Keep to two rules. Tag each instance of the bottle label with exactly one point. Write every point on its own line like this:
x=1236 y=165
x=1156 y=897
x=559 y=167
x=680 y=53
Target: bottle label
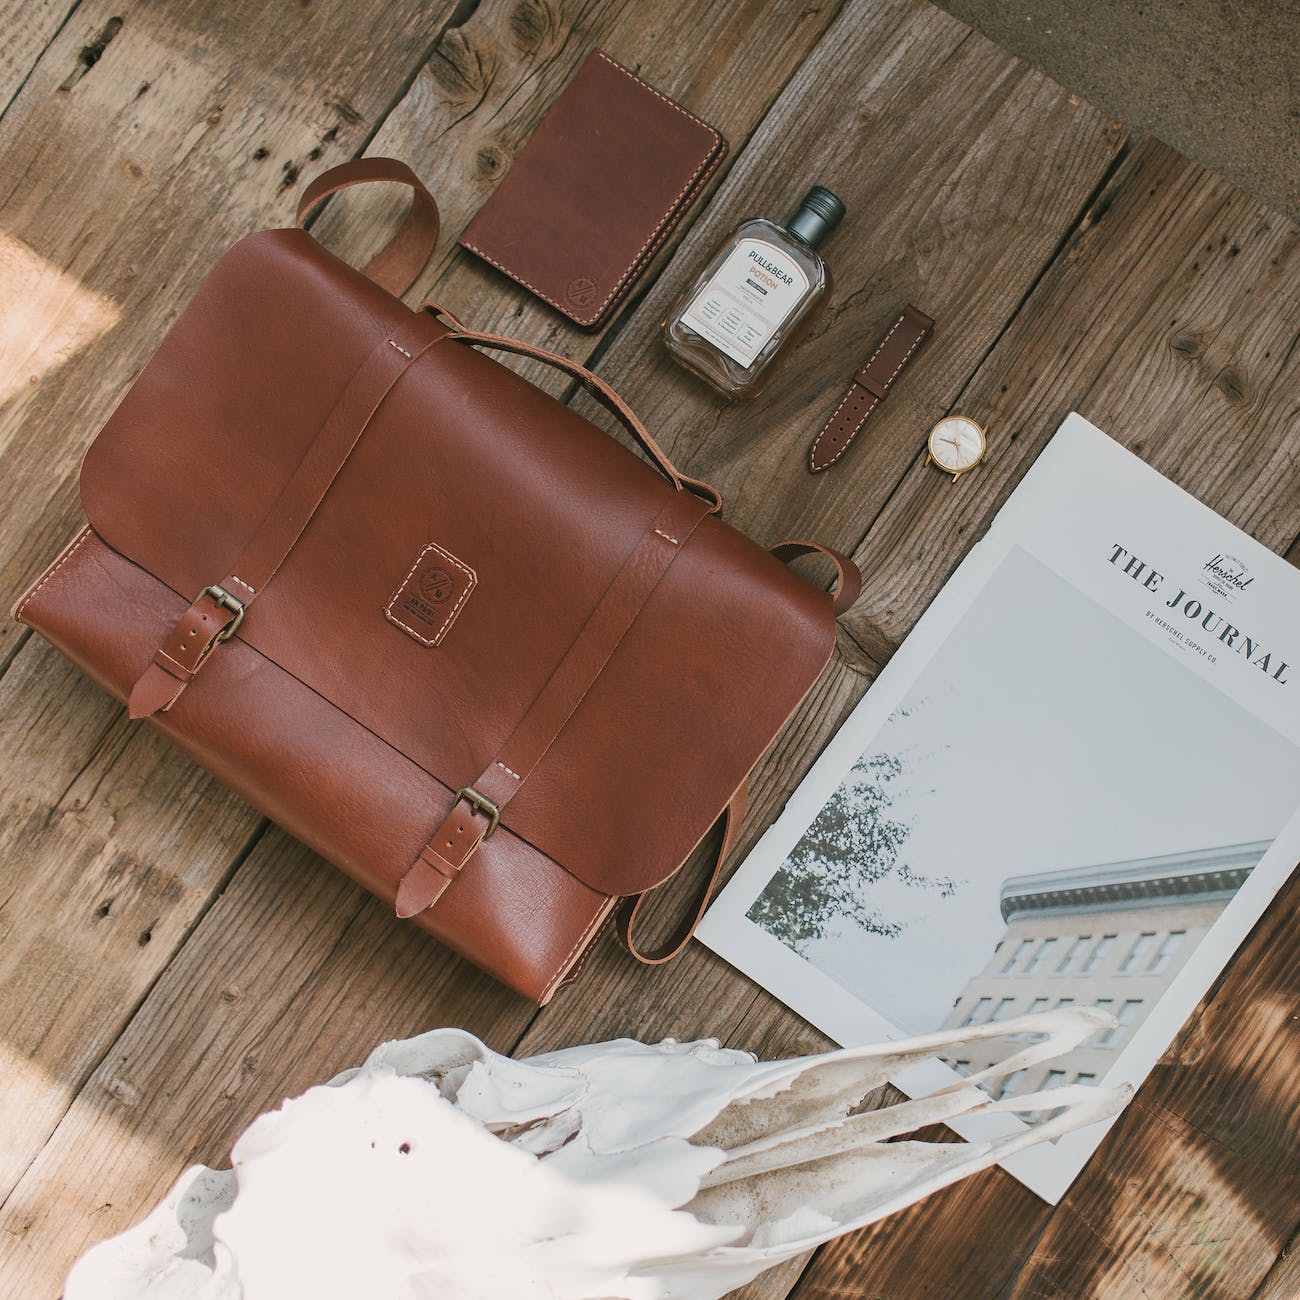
x=747 y=299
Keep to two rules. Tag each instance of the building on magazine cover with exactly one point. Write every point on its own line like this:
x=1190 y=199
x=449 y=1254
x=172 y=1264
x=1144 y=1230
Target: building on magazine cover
x=1112 y=935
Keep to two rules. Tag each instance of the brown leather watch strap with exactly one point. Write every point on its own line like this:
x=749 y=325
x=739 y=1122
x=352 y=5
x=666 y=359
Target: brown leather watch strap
x=869 y=386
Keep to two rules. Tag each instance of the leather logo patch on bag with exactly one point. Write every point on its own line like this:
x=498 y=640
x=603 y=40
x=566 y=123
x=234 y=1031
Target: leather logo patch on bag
x=432 y=595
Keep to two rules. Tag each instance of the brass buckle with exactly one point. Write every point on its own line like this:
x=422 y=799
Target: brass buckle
x=225 y=600
x=480 y=803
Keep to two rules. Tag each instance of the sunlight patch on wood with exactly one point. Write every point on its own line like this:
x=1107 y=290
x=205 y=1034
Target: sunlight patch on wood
x=24 y=1079
x=47 y=316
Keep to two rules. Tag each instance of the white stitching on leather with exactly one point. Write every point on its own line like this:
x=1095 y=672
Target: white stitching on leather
x=248 y=587
x=68 y=552
x=599 y=919
x=903 y=362
x=857 y=428
x=401 y=349
x=455 y=609
x=666 y=536
x=826 y=428
x=618 y=67
x=660 y=229
x=881 y=344
x=518 y=279
x=510 y=770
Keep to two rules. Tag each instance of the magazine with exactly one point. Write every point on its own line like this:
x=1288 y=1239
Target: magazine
x=1077 y=781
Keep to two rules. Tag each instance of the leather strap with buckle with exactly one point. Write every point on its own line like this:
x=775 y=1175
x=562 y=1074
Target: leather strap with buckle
x=476 y=810
x=460 y=833
x=213 y=617
x=472 y=819
x=196 y=634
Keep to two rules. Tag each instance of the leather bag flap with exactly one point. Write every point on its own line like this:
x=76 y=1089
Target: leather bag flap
x=469 y=488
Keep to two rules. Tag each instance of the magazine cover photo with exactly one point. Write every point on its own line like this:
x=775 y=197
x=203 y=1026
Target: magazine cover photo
x=1020 y=836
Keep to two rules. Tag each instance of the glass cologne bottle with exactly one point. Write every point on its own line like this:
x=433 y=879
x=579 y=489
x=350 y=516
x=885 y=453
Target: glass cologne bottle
x=760 y=288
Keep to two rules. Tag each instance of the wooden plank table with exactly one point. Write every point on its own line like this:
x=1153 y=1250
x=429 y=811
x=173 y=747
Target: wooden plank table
x=170 y=965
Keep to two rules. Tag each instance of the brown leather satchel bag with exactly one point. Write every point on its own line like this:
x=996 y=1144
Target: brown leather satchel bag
x=438 y=626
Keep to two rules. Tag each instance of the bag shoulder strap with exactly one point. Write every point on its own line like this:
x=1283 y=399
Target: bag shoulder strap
x=397 y=264
x=630 y=908
x=848 y=587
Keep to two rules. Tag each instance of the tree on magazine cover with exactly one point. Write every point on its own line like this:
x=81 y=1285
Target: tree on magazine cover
x=853 y=844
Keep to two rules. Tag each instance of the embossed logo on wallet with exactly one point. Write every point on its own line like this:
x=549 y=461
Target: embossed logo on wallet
x=432 y=595
x=581 y=291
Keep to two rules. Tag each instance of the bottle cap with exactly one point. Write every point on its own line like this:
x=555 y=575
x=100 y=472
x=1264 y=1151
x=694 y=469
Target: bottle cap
x=818 y=214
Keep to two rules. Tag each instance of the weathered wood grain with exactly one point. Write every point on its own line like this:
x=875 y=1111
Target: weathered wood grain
x=1283 y=1280
x=947 y=1246
x=1173 y=281
x=110 y=845
x=955 y=210
x=1194 y=1192
x=1171 y=322
x=293 y=975
x=131 y=175
x=490 y=81
x=28 y=27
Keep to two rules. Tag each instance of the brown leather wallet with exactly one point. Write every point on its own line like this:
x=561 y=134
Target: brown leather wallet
x=584 y=208
x=869 y=386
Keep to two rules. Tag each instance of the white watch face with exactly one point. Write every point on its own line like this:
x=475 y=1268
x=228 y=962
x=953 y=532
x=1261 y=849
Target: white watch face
x=956 y=444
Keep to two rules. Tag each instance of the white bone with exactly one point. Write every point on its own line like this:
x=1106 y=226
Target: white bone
x=677 y=1171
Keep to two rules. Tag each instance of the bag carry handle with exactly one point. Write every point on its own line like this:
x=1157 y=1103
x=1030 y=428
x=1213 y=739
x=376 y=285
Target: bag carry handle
x=599 y=389
x=397 y=264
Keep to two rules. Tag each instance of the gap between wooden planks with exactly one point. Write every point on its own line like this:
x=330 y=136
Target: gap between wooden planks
x=29 y=26
x=1169 y=320
x=742 y=494
x=123 y=175
x=293 y=972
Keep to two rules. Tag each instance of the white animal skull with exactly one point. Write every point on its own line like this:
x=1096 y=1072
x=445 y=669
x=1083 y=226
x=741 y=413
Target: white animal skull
x=669 y=1172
